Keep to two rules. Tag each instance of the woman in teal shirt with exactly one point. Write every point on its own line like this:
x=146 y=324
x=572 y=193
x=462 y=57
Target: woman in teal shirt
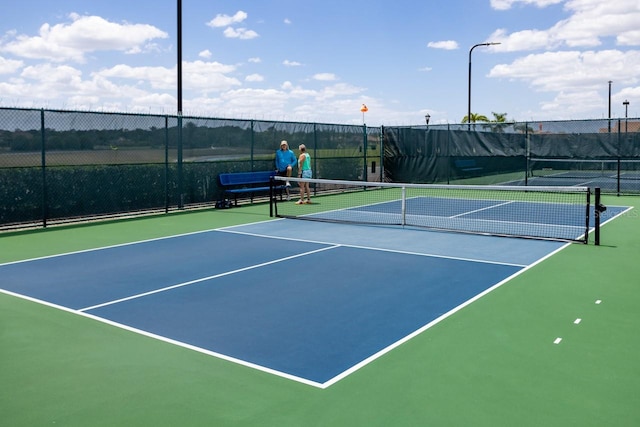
x=304 y=171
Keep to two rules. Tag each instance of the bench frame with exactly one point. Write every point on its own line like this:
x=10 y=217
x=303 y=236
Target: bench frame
x=251 y=183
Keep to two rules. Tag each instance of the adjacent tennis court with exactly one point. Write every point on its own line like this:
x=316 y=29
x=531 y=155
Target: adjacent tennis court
x=311 y=302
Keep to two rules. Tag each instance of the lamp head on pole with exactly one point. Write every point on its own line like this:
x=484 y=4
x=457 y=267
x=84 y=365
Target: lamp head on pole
x=426 y=118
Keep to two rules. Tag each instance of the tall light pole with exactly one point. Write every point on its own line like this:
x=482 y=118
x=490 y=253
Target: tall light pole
x=469 y=94
x=179 y=59
x=609 y=125
x=626 y=110
x=179 y=106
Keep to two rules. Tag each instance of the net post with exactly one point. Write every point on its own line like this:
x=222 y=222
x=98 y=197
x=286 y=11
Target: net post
x=587 y=221
x=599 y=208
x=404 y=205
x=271 y=196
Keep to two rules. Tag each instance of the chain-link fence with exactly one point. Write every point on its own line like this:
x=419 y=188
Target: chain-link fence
x=65 y=165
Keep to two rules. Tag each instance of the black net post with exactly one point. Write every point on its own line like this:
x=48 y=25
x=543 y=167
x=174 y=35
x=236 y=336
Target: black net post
x=271 y=196
x=599 y=208
x=587 y=217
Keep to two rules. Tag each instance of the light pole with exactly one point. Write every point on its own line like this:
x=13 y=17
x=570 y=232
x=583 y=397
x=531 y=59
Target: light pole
x=469 y=94
x=626 y=110
x=426 y=118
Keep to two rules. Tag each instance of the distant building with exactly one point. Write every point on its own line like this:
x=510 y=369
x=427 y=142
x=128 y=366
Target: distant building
x=625 y=126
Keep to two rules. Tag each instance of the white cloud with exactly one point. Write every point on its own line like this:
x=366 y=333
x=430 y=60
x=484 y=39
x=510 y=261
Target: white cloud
x=578 y=79
x=226 y=20
x=255 y=60
x=590 y=22
x=197 y=75
x=629 y=38
x=508 y=4
x=9 y=66
x=232 y=32
x=339 y=90
x=287 y=21
x=572 y=70
x=208 y=76
x=205 y=54
x=63 y=75
x=71 y=41
x=445 y=44
x=523 y=40
x=156 y=77
x=288 y=63
x=325 y=77
x=254 y=78
x=239 y=33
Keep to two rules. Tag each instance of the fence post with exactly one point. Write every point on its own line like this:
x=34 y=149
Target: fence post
x=253 y=142
x=527 y=153
x=364 y=142
x=43 y=162
x=381 y=139
x=166 y=164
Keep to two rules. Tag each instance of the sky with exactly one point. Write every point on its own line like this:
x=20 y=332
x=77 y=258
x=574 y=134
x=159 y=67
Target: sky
x=320 y=61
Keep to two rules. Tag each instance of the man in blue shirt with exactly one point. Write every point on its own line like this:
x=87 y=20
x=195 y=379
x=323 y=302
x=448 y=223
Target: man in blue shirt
x=285 y=161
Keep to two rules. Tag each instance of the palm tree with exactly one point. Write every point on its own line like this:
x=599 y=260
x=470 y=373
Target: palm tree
x=499 y=122
x=475 y=117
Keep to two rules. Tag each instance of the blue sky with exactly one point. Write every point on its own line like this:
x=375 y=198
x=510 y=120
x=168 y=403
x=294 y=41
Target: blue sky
x=319 y=61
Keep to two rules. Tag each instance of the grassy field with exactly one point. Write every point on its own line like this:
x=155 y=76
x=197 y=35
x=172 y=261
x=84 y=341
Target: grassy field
x=115 y=155
x=492 y=364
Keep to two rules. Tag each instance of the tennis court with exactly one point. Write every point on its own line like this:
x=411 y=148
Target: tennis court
x=611 y=175
x=310 y=302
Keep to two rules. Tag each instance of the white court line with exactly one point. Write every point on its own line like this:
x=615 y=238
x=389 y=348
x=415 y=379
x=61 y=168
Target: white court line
x=401 y=341
x=480 y=261
x=482 y=209
x=203 y=279
x=117 y=245
x=167 y=340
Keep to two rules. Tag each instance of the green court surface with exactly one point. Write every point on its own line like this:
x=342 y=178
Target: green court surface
x=493 y=363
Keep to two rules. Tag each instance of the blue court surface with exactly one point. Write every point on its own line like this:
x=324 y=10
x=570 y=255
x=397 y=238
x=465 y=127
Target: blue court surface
x=308 y=301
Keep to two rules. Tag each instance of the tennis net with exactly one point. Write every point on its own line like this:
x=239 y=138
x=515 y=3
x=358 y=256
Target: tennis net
x=623 y=169
x=554 y=213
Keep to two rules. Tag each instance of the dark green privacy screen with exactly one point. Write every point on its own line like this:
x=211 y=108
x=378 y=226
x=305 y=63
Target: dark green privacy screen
x=596 y=153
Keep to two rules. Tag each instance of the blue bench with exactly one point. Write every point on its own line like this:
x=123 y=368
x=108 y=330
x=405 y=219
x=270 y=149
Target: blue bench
x=467 y=165
x=249 y=183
